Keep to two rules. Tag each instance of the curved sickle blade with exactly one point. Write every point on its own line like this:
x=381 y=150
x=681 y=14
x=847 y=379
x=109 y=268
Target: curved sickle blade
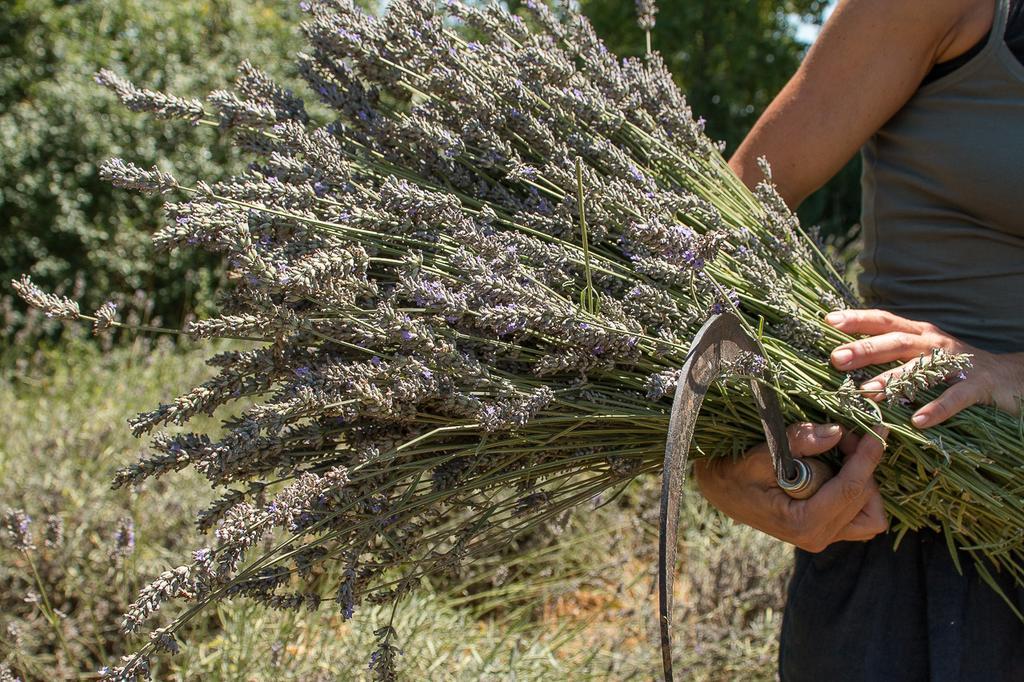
x=721 y=340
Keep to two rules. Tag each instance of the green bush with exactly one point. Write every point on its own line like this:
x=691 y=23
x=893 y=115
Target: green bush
x=58 y=220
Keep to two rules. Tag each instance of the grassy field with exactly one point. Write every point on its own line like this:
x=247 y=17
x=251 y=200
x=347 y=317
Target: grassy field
x=582 y=608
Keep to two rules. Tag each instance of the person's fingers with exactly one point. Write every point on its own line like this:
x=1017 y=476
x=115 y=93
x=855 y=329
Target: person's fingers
x=954 y=399
x=842 y=497
x=880 y=349
x=746 y=489
x=859 y=466
x=848 y=443
x=869 y=521
x=873 y=321
x=807 y=439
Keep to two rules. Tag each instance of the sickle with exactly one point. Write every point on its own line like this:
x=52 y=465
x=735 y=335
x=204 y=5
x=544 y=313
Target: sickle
x=720 y=341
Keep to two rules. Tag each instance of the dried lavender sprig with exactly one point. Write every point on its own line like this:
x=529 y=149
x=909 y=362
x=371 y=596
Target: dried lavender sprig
x=106 y=317
x=17 y=525
x=142 y=100
x=53 y=535
x=120 y=173
x=57 y=307
x=124 y=539
x=925 y=372
x=646 y=11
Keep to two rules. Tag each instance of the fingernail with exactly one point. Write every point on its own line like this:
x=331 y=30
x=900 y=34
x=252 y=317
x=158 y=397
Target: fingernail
x=835 y=318
x=882 y=431
x=842 y=356
x=827 y=430
x=919 y=420
x=873 y=386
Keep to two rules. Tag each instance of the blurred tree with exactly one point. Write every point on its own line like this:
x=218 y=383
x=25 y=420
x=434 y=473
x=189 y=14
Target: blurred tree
x=731 y=59
x=58 y=220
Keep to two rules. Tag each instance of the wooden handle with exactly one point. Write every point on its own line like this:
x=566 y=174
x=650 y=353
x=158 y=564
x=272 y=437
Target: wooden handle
x=812 y=474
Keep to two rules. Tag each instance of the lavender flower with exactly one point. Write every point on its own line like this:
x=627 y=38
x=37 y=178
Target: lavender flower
x=748 y=365
x=17 y=526
x=120 y=173
x=137 y=99
x=124 y=539
x=925 y=372
x=53 y=535
x=645 y=13
x=383 y=659
x=57 y=307
x=105 y=317
x=170 y=584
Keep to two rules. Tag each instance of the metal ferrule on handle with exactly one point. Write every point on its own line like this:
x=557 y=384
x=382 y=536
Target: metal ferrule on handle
x=809 y=475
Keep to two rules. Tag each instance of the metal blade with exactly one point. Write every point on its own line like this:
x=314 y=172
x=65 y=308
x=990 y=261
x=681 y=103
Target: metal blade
x=721 y=340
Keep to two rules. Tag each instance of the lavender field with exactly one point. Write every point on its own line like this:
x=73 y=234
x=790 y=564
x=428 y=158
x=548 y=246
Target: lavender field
x=587 y=614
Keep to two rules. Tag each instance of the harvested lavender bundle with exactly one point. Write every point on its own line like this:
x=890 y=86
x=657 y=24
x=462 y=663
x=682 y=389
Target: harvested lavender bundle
x=471 y=291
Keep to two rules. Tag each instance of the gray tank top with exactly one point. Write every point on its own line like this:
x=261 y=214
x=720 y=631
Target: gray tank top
x=943 y=202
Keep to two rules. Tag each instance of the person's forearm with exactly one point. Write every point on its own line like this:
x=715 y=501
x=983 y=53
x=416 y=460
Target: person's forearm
x=746 y=168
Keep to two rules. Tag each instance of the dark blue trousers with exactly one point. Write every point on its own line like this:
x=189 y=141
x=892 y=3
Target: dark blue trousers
x=862 y=612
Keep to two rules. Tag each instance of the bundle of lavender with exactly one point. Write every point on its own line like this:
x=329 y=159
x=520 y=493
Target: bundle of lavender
x=467 y=294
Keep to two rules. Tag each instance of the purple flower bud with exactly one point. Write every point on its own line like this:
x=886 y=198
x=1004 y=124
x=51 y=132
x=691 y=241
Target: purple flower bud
x=124 y=538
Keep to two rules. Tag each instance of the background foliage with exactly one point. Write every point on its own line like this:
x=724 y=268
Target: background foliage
x=58 y=220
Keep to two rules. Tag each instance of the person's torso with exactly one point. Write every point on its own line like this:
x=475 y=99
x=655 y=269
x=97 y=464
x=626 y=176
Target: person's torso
x=943 y=193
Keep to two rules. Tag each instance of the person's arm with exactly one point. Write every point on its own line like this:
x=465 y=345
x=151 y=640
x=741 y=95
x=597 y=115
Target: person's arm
x=868 y=61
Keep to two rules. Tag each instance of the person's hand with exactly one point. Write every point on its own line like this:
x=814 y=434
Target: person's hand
x=994 y=379
x=847 y=507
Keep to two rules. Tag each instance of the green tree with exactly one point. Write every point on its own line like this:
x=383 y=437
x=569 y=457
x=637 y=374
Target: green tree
x=58 y=220
x=731 y=58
